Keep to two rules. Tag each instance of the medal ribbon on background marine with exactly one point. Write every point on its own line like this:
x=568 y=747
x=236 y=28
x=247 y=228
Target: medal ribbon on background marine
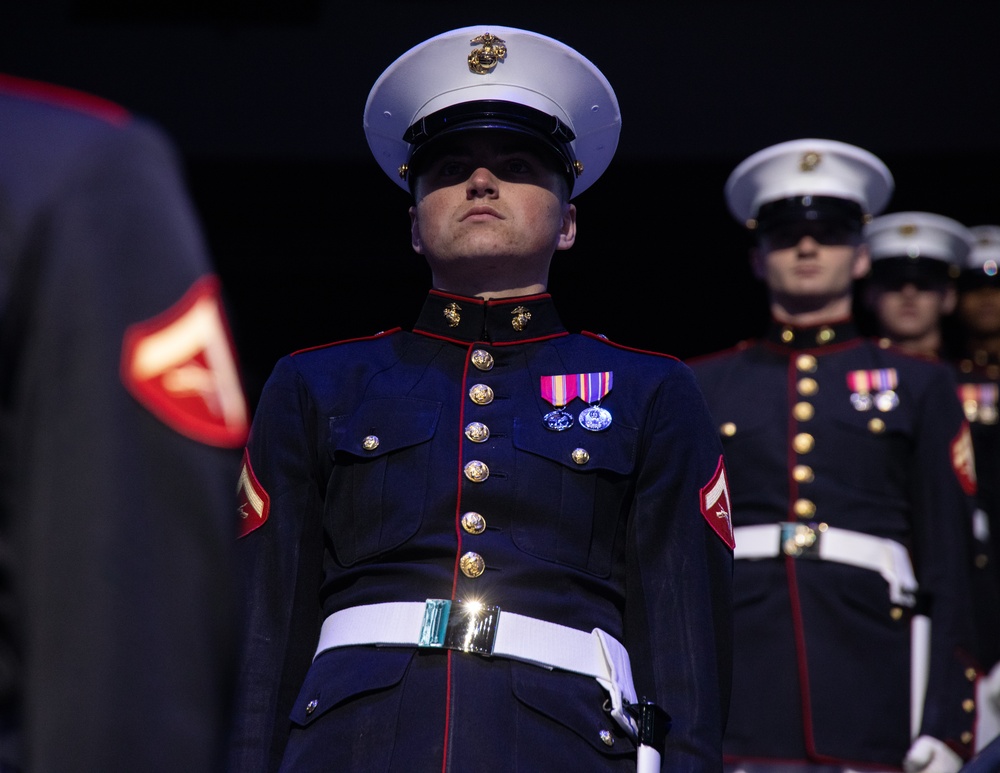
x=979 y=401
x=559 y=391
x=593 y=387
x=882 y=382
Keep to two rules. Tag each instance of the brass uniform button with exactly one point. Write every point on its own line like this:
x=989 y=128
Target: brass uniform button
x=806 y=363
x=370 y=443
x=803 y=443
x=473 y=523
x=787 y=335
x=825 y=335
x=896 y=613
x=968 y=705
x=804 y=508
x=607 y=738
x=477 y=432
x=876 y=426
x=966 y=737
x=728 y=429
x=482 y=359
x=472 y=564
x=807 y=387
x=803 y=473
x=803 y=411
x=970 y=674
x=580 y=455
x=476 y=471
x=311 y=706
x=481 y=394
x=982 y=560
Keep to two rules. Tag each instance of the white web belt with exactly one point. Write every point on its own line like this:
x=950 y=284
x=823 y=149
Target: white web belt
x=819 y=541
x=485 y=630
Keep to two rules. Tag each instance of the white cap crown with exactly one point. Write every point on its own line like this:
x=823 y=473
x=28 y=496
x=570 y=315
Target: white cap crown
x=494 y=63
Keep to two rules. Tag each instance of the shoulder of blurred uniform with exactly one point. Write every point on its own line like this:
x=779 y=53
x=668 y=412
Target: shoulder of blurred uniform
x=721 y=354
x=47 y=131
x=63 y=101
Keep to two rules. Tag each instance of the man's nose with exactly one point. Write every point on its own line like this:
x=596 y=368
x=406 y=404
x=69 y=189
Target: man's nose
x=482 y=182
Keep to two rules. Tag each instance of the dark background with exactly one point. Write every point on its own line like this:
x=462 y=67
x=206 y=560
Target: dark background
x=265 y=97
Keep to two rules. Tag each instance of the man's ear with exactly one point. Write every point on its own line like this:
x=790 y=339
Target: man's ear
x=862 y=261
x=950 y=300
x=567 y=231
x=415 y=232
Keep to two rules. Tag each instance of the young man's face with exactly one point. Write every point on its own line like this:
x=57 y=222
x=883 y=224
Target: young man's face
x=810 y=262
x=490 y=204
x=979 y=310
x=912 y=309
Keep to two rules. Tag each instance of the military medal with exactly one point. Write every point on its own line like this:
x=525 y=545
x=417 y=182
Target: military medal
x=885 y=381
x=592 y=388
x=860 y=386
x=559 y=391
x=882 y=382
x=979 y=402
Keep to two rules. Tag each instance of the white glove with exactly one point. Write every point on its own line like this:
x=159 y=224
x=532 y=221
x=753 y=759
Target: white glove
x=929 y=755
x=991 y=685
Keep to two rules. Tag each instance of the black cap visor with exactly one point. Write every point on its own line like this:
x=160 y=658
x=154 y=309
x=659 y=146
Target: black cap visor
x=893 y=273
x=798 y=209
x=551 y=134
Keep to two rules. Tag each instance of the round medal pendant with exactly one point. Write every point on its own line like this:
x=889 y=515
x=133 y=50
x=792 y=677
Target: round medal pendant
x=886 y=401
x=862 y=401
x=558 y=420
x=595 y=418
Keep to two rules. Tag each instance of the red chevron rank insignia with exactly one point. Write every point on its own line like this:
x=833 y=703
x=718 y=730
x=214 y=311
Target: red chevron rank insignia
x=963 y=460
x=181 y=365
x=715 y=505
x=254 y=502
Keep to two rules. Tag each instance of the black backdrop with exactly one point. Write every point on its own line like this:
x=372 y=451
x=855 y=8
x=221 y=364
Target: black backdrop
x=264 y=99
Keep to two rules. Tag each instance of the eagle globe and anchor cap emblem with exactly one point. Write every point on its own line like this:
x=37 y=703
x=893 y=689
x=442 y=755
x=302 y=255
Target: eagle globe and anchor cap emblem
x=484 y=59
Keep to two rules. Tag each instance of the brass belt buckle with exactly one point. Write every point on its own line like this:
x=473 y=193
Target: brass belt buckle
x=466 y=626
x=800 y=540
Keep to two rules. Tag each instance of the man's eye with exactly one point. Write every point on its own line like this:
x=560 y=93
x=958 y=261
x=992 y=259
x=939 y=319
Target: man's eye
x=451 y=168
x=518 y=166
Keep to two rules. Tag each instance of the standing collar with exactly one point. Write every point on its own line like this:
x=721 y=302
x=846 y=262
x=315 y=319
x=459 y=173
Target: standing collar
x=810 y=337
x=500 y=320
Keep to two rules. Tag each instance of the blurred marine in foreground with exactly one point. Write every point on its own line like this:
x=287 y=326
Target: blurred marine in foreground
x=121 y=412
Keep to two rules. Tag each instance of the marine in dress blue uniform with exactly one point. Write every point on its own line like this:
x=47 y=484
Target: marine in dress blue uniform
x=122 y=419
x=978 y=367
x=486 y=459
x=910 y=290
x=851 y=469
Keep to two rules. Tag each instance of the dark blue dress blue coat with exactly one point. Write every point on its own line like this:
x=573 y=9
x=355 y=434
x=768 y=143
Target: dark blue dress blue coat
x=616 y=539
x=117 y=635
x=822 y=654
x=978 y=394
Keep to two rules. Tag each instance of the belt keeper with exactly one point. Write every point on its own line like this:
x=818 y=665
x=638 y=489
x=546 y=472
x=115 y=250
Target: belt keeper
x=466 y=626
x=652 y=723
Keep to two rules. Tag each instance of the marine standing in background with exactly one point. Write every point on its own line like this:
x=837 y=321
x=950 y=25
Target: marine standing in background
x=977 y=360
x=851 y=474
x=121 y=418
x=910 y=290
x=480 y=543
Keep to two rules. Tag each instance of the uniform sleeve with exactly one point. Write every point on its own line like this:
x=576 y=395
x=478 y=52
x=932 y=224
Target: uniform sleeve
x=280 y=562
x=124 y=544
x=679 y=609
x=942 y=546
